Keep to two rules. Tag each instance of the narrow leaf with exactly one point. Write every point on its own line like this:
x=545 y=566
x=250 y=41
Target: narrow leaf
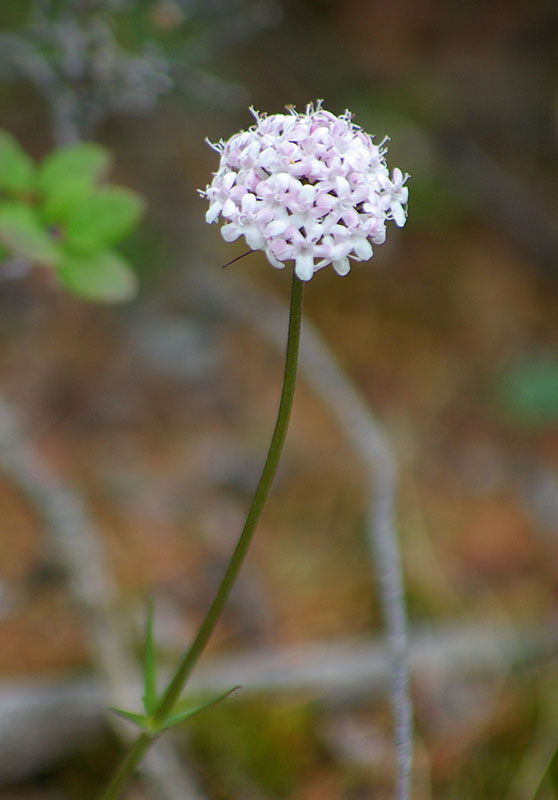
x=176 y=719
x=16 y=167
x=103 y=218
x=21 y=232
x=137 y=719
x=149 y=679
x=104 y=276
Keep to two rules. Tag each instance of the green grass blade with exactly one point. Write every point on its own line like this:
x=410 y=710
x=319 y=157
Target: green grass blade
x=149 y=676
x=137 y=719
x=176 y=719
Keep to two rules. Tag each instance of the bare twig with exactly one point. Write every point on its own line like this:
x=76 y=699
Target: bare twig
x=68 y=523
x=338 y=671
x=78 y=544
x=502 y=196
x=21 y=57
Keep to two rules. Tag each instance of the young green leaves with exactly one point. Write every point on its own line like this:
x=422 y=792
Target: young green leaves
x=57 y=215
x=148 y=722
x=16 y=167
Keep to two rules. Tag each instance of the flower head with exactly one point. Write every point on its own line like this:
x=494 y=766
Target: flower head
x=310 y=188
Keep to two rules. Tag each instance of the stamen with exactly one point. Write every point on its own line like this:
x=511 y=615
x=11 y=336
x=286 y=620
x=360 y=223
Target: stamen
x=247 y=253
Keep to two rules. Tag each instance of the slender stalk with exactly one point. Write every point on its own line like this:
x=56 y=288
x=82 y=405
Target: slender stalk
x=193 y=653
x=127 y=767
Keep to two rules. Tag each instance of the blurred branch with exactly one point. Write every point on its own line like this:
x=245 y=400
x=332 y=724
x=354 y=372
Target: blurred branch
x=507 y=201
x=339 y=671
x=78 y=545
x=85 y=48
x=20 y=58
x=320 y=370
x=71 y=53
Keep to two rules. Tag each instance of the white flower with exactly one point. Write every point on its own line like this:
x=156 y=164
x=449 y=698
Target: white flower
x=310 y=188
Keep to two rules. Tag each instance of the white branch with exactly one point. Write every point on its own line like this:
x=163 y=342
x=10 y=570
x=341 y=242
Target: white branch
x=44 y=720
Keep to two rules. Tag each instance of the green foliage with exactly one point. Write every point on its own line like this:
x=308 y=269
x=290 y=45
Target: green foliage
x=182 y=711
x=22 y=233
x=67 y=177
x=103 y=218
x=263 y=741
x=192 y=711
x=17 y=170
x=149 y=677
x=528 y=391
x=141 y=720
x=103 y=275
x=57 y=215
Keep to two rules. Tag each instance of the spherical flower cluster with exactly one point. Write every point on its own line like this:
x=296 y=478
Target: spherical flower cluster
x=310 y=188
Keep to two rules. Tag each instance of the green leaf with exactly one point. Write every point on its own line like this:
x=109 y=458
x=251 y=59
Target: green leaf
x=16 y=167
x=103 y=218
x=58 y=205
x=528 y=391
x=88 y=160
x=21 y=232
x=104 y=276
x=68 y=176
x=176 y=719
x=149 y=681
x=137 y=719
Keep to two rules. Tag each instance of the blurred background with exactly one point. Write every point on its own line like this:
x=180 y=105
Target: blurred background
x=132 y=436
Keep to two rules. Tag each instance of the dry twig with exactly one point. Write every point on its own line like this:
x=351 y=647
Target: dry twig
x=339 y=671
x=78 y=546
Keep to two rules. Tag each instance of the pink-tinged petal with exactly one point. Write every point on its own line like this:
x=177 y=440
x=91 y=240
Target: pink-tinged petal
x=304 y=266
x=237 y=193
x=231 y=232
x=228 y=181
x=314 y=231
x=342 y=186
x=339 y=231
x=350 y=218
x=363 y=249
x=249 y=204
x=263 y=216
x=280 y=249
x=213 y=212
x=398 y=215
x=380 y=236
x=274 y=261
x=230 y=209
x=403 y=194
x=302 y=168
x=307 y=194
x=360 y=193
x=307 y=188
x=267 y=157
x=325 y=202
x=254 y=238
x=285 y=181
x=341 y=250
x=276 y=228
x=342 y=267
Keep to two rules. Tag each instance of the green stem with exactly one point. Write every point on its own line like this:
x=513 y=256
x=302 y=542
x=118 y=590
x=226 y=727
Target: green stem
x=127 y=767
x=190 y=658
x=192 y=655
